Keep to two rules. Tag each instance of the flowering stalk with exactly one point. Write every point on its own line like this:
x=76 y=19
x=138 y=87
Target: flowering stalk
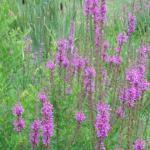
x=102 y=124
x=19 y=123
x=47 y=125
x=34 y=133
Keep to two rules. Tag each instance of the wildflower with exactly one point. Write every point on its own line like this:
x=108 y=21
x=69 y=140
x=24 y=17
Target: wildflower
x=47 y=110
x=122 y=39
x=89 y=76
x=34 y=133
x=47 y=126
x=90 y=72
x=47 y=131
x=130 y=95
x=65 y=62
x=131 y=23
x=18 y=109
x=42 y=97
x=103 y=10
x=50 y=65
x=102 y=124
x=139 y=144
x=19 y=124
x=115 y=59
x=80 y=117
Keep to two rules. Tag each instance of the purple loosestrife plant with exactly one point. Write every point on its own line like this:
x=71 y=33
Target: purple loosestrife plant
x=89 y=83
x=50 y=65
x=131 y=23
x=139 y=144
x=34 y=133
x=19 y=123
x=102 y=124
x=42 y=97
x=18 y=110
x=47 y=125
x=80 y=117
x=122 y=39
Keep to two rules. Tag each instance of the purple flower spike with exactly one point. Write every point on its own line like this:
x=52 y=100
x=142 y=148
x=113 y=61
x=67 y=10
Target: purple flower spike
x=42 y=97
x=47 y=110
x=50 y=65
x=122 y=39
x=131 y=23
x=139 y=144
x=80 y=117
x=19 y=124
x=47 y=131
x=18 y=109
x=90 y=72
x=34 y=134
x=47 y=123
x=102 y=124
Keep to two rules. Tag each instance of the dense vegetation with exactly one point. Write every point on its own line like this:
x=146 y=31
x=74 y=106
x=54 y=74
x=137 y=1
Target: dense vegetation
x=74 y=74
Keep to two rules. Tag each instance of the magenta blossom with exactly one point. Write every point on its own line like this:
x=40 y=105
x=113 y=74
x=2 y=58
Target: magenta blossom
x=18 y=109
x=50 y=65
x=102 y=124
x=80 y=117
x=34 y=133
x=139 y=144
x=122 y=38
x=131 y=23
x=19 y=124
x=42 y=97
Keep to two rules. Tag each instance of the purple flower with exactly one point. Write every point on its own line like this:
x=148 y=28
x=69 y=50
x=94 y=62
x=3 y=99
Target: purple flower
x=65 y=62
x=139 y=144
x=130 y=95
x=103 y=10
x=42 y=97
x=88 y=7
x=131 y=23
x=120 y=112
x=102 y=124
x=90 y=72
x=133 y=75
x=122 y=38
x=47 y=131
x=89 y=82
x=19 y=124
x=50 y=65
x=18 y=109
x=62 y=45
x=80 y=117
x=47 y=110
x=117 y=60
x=34 y=133
x=47 y=122
x=78 y=63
